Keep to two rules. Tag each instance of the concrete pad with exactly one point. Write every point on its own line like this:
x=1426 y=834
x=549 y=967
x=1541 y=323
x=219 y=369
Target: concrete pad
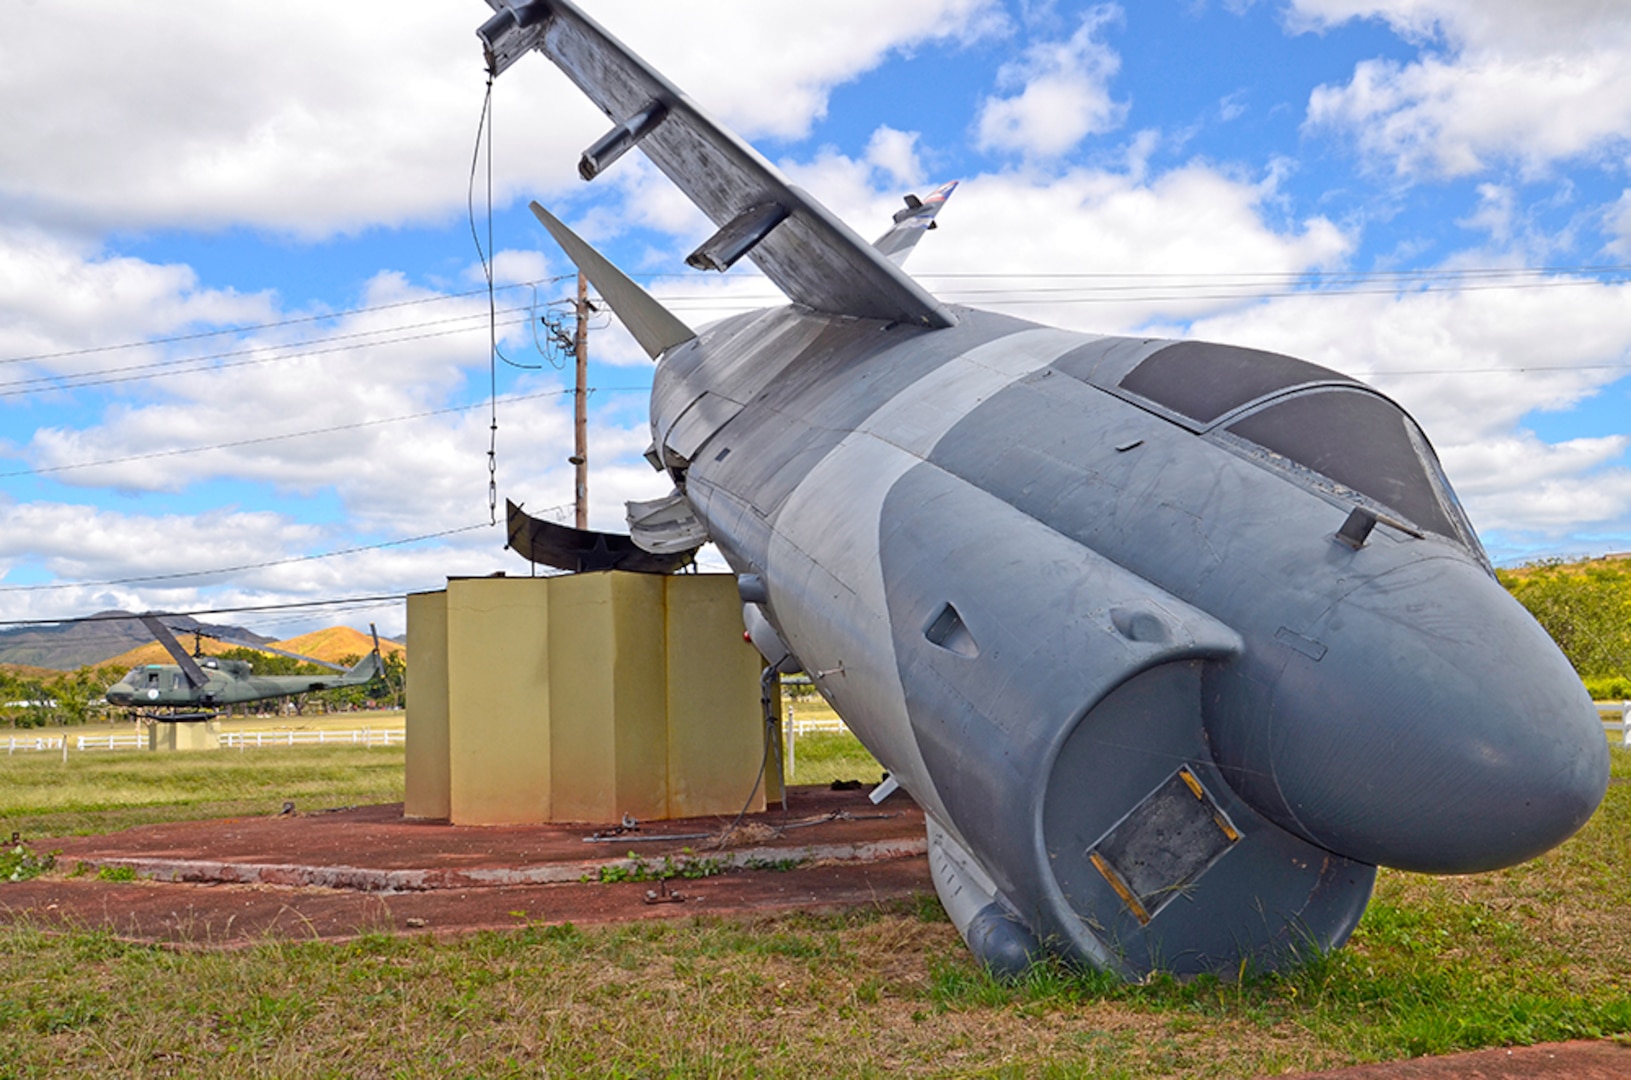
x=336 y=874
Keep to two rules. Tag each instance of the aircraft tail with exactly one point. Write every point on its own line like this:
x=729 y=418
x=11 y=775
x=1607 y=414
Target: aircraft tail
x=912 y=222
x=367 y=669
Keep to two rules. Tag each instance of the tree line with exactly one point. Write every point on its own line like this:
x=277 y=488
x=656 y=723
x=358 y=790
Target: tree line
x=77 y=697
x=1586 y=607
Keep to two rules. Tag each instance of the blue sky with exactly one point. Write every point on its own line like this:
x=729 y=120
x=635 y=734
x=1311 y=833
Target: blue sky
x=242 y=244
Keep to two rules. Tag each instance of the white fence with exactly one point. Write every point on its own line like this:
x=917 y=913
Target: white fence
x=239 y=740
x=362 y=737
x=806 y=727
x=130 y=741
x=1615 y=715
x=29 y=743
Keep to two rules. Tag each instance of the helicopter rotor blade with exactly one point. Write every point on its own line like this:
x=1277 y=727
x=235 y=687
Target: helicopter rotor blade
x=189 y=667
x=270 y=649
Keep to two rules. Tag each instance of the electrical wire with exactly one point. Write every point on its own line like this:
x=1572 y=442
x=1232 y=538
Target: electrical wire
x=184 y=575
x=482 y=127
x=361 y=601
x=1201 y=279
x=169 y=368
x=178 y=452
x=275 y=324
x=1233 y=288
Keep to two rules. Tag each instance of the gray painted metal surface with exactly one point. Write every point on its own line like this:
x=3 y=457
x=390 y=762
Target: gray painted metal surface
x=1174 y=642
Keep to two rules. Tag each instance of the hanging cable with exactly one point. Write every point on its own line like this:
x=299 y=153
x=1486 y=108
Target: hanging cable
x=484 y=129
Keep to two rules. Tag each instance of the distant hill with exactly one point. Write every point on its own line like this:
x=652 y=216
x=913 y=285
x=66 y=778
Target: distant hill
x=338 y=642
x=96 y=640
x=23 y=671
x=333 y=645
x=154 y=653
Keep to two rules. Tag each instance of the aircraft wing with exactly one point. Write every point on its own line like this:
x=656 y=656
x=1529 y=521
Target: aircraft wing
x=810 y=254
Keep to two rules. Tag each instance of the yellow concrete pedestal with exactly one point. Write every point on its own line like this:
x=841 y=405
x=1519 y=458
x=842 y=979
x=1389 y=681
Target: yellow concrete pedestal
x=200 y=735
x=581 y=698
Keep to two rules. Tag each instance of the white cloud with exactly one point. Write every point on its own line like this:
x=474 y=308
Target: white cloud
x=1137 y=250
x=744 y=62
x=1499 y=80
x=310 y=118
x=895 y=153
x=410 y=352
x=511 y=267
x=56 y=297
x=140 y=562
x=1060 y=94
x=1497 y=209
x=1619 y=226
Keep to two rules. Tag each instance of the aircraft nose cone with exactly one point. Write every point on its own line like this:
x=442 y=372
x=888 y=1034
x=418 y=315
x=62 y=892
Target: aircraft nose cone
x=1443 y=731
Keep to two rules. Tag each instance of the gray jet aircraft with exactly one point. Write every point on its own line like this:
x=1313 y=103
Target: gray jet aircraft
x=1174 y=642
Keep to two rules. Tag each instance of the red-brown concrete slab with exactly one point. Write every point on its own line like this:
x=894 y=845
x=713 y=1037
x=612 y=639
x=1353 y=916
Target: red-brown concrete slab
x=235 y=915
x=375 y=848
x=336 y=874
x=1551 y=1061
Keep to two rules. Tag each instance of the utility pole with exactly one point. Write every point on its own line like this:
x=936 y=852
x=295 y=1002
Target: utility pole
x=580 y=455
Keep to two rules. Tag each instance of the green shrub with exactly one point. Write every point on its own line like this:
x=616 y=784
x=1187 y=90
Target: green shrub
x=1609 y=688
x=18 y=863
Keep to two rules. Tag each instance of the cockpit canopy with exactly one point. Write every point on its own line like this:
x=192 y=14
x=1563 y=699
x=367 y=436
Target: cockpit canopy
x=1307 y=419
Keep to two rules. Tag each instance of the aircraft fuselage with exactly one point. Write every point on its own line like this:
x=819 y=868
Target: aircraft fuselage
x=231 y=682
x=1119 y=645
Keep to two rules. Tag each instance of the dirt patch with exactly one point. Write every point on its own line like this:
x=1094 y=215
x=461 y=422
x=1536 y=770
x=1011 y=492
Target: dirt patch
x=1552 y=1061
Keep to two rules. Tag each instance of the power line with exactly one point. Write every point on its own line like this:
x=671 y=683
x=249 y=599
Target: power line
x=181 y=451
x=1181 y=279
x=1172 y=292
x=183 y=575
x=358 y=601
x=1171 y=288
x=245 y=328
x=175 y=365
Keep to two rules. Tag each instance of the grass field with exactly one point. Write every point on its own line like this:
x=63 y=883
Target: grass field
x=1535 y=953
x=103 y=791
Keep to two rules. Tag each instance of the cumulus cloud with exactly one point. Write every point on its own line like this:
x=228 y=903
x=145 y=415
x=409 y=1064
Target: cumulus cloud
x=1618 y=219
x=390 y=423
x=57 y=296
x=1109 y=251
x=311 y=118
x=1498 y=80
x=1057 y=95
